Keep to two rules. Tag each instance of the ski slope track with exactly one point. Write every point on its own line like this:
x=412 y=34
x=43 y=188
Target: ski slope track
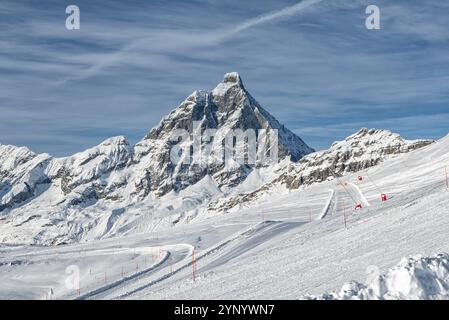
x=122 y=282
x=219 y=255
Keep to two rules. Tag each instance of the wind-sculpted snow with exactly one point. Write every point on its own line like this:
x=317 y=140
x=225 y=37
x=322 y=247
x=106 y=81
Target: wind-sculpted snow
x=416 y=278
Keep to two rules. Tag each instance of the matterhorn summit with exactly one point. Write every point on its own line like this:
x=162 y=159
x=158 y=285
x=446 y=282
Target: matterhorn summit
x=226 y=108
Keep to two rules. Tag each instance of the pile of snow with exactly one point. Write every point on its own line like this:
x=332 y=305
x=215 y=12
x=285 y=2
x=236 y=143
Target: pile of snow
x=416 y=278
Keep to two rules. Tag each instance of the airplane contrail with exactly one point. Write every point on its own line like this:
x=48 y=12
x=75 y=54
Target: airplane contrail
x=209 y=38
x=274 y=15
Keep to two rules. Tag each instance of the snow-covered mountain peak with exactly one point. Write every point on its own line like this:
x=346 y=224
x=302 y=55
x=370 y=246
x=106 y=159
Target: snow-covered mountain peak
x=11 y=157
x=369 y=141
x=232 y=99
x=231 y=80
x=115 y=141
x=115 y=151
x=226 y=108
x=232 y=77
x=373 y=134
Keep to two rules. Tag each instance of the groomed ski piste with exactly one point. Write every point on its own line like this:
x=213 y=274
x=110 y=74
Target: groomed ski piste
x=289 y=244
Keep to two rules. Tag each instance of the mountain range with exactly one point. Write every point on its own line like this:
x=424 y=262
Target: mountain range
x=117 y=188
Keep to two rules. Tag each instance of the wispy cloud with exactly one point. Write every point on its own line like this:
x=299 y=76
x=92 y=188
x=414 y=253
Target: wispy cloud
x=183 y=40
x=272 y=16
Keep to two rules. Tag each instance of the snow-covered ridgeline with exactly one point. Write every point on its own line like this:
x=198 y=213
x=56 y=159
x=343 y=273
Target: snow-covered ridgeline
x=363 y=149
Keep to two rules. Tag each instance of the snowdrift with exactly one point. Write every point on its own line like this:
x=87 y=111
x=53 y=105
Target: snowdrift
x=416 y=278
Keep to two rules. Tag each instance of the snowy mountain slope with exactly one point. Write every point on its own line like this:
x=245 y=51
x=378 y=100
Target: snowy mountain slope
x=363 y=149
x=322 y=255
x=23 y=171
x=416 y=278
x=272 y=248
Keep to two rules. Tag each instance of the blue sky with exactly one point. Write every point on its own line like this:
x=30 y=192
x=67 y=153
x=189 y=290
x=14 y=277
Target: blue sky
x=316 y=68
